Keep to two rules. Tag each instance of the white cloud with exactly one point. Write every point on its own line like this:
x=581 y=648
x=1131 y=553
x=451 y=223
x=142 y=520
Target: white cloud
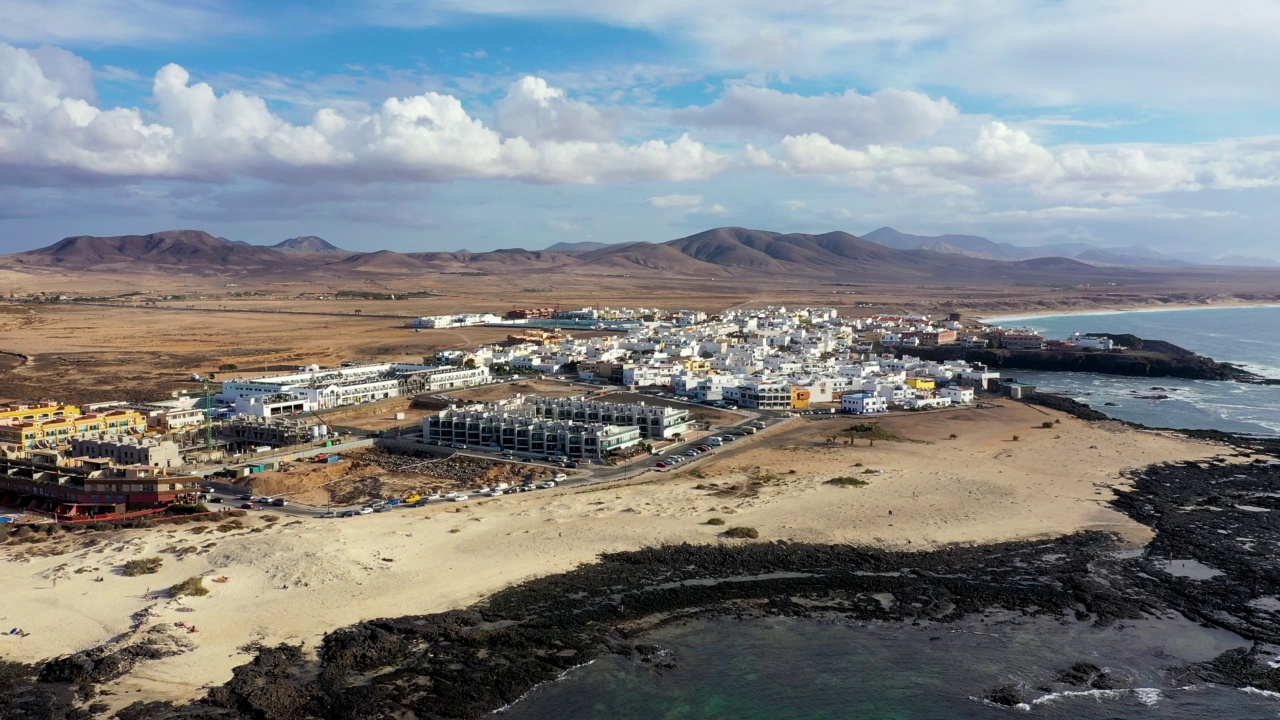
x=794 y=205
x=563 y=226
x=687 y=205
x=675 y=201
x=534 y=111
x=1055 y=52
x=194 y=133
x=114 y=21
x=1003 y=154
x=885 y=116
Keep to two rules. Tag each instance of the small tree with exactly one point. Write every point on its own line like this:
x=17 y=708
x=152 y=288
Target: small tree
x=228 y=367
x=742 y=533
x=1016 y=438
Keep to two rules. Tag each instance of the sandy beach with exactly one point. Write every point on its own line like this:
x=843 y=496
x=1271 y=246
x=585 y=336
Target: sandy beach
x=293 y=580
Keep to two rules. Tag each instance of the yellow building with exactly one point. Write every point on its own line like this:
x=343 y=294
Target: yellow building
x=36 y=413
x=60 y=431
x=920 y=383
x=800 y=398
x=697 y=365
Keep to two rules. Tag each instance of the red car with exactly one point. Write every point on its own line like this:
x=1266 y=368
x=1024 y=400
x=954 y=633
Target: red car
x=704 y=448
x=662 y=465
x=247 y=506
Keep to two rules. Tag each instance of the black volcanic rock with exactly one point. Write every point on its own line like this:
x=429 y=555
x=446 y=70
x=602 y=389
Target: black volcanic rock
x=1141 y=358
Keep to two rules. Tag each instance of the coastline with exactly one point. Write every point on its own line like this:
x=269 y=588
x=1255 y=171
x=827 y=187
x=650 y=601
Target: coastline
x=1120 y=310
x=955 y=479
x=470 y=662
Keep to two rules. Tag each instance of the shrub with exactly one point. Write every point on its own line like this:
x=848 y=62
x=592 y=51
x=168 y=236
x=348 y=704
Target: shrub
x=190 y=509
x=269 y=518
x=954 y=436
x=101 y=527
x=142 y=566
x=848 y=482
x=742 y=533
x=716 y=521
x=1046 y=424
x=193 y=586
x=1016 y=438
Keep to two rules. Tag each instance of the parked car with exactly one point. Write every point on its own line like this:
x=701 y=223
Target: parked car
x=245 y=497
x=704 y=448
x=348 y=513
x=664 y=464
x=547 y=485
x=328 y=514
x=279 y=502
x=458 y=498
x=264 y=500
x=216 y=499
x=247 y=506
x=394 y=502
x=458 y=446
x=366 y=510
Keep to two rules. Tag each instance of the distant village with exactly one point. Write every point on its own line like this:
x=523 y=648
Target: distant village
x=116 y=459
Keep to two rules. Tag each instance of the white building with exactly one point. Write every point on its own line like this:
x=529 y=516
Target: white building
x=863 y=404
x=301 y=392
x=926 y=403
x=957 y=395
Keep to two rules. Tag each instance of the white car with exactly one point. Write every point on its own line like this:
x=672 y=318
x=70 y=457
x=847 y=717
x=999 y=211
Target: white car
x=494 y=493
x=459 y=498
x=451 y=494
x=366 y=510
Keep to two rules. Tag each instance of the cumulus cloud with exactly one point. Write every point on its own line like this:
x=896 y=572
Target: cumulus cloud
x=195 y=133
x=535 y=111
x=1003 y=154
x=852 y=118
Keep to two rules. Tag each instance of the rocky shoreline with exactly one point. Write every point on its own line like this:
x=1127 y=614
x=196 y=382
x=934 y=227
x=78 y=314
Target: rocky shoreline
x=467 y=663
x=1141 y=358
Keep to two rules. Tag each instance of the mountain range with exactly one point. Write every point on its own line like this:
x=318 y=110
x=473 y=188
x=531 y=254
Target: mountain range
x=1128 y=256
x=720 y=252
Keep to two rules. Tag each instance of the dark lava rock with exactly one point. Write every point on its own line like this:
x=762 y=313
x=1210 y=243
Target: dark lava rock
x=1140 y=358
x=468 y=663
x=1079 y=675
x=1006 y=696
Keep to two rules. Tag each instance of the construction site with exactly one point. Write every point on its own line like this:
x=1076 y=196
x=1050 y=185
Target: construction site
x=379 y=474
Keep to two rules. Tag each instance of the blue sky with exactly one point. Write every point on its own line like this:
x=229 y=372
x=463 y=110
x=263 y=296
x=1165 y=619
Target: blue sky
x=481 y=124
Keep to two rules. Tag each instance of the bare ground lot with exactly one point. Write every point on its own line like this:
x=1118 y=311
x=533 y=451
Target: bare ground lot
x=381 y=475
x=531 y=386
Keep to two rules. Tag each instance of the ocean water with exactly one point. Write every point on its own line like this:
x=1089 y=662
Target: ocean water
x=1248 y=336
x=793 y=669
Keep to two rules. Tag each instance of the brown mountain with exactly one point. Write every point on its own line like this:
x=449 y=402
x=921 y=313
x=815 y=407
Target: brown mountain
x=728 y=251
x=190 y=250
x=307 y=244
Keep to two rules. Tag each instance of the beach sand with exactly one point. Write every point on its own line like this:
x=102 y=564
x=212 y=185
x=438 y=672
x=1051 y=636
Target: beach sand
x=293 y=580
